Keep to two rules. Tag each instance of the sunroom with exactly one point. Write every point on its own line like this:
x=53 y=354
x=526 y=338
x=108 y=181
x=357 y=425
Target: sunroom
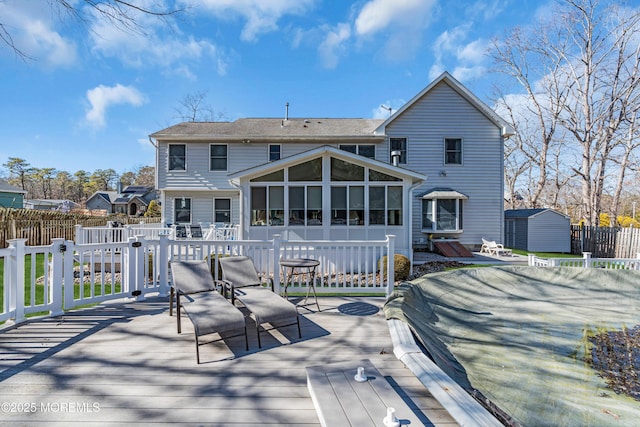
x=327 y=194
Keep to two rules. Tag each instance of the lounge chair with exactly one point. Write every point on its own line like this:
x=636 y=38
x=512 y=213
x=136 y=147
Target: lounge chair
x=244 y=284
x=208 y=310
x=492 y=248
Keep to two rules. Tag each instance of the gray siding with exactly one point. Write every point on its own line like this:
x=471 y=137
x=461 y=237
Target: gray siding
x=549 y=232
x=516 y=233
x=240 y=157
x=441 y=113
x=201 y=205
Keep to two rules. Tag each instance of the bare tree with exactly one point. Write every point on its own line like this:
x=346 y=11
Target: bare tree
x=579 y=71
x=535 y=114
x=194 y=108
x=121 y=14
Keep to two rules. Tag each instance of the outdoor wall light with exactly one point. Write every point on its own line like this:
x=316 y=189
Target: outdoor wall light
x=443 y=173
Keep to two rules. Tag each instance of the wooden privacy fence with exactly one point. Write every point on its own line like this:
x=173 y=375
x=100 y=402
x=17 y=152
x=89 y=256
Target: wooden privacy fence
x=41 y=227
x=605 y=242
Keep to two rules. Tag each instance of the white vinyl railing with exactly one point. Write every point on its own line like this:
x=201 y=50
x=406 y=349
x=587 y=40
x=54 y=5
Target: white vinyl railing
x=587 y=262
x=106 y=234
x=50 y=279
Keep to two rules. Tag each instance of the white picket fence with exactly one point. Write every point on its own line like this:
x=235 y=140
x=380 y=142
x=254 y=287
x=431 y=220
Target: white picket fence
x=586 y=261
x=50 y=279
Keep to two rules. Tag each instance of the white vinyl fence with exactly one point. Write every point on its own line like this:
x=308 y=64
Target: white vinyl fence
x=49 y=279
x=587 y=262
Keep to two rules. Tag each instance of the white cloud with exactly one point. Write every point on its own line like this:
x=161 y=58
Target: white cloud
x=33 y=33
x=156 y=47
x=261 y=16
x=333 y=44
x=465 y=59
x=103 y=97
x=402 y=21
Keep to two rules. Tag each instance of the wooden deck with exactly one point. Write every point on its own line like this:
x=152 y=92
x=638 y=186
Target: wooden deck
x=124 y=364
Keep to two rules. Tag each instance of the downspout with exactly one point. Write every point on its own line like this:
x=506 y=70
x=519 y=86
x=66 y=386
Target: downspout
x=410 y=232
x=238 y=186
x=156 y=184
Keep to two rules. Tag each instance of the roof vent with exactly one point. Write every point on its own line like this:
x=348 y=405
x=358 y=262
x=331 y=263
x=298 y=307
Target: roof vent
x=286 y=111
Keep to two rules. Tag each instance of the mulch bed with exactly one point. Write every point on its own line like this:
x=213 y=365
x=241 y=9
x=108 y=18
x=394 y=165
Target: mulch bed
x=433 y=267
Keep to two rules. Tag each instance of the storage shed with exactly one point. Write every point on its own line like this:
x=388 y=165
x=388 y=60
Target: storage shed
x=537 y=230
x=11 y=196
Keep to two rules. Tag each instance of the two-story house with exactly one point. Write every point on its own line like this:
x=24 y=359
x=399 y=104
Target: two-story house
x=432 y=169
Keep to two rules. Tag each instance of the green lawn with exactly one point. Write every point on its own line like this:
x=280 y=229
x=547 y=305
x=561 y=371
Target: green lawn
x=545 y=254
x=39 y=291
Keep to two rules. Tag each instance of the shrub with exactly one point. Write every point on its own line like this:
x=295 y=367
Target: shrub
x=401 y=266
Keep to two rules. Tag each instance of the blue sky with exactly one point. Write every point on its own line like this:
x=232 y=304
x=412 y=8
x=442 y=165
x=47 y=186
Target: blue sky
x=92 y=94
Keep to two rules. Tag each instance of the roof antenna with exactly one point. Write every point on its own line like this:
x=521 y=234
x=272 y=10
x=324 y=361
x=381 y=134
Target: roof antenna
x=286 y=111
x=389 y=109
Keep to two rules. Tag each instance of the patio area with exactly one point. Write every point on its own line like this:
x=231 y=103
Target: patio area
x=124 y=364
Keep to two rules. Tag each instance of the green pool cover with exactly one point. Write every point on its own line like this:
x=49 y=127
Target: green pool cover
x=519 y=336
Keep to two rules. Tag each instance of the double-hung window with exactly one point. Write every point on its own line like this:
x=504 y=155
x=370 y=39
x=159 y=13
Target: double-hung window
x=453 y=151
x=218 y=157
x=366 y=150
x=222 y=210
x=177 y=157
x=182 y=210
x=274 y=152
x=398 y=145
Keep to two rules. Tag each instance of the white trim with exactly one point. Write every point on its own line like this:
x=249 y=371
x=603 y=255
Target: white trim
x=444 y=151
x=169 y=170
x=226 y=169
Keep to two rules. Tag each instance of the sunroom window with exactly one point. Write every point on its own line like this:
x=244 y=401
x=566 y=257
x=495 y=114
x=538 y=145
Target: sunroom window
x=305 y=205
x=347 y=205
x=385 y=205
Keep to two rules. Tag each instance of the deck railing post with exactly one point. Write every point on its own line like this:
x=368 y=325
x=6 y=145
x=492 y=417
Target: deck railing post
x=79 y=234
x=162 y=261
x=128 y=267
x=138 y=250
x=391 y=248
x=587 y=259
x=57 y=271
x=531 y=259
x=15 y=288
x=277 y=244
x=68 y=275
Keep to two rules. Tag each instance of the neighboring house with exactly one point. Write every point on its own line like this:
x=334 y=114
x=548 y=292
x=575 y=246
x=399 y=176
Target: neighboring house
x=64 y=205
x=432 y=169
x=537 y=230
x=133 y=200
x=11 y=196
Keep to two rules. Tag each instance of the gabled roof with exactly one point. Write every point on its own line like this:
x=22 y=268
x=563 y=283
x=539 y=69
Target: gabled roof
x=447 y=78
x=8 y=188
x=109 y=196
x=335 y=152
x=272 y=129
x=529 y=213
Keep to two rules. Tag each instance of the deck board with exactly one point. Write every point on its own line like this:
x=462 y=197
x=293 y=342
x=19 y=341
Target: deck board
x=128 y=359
